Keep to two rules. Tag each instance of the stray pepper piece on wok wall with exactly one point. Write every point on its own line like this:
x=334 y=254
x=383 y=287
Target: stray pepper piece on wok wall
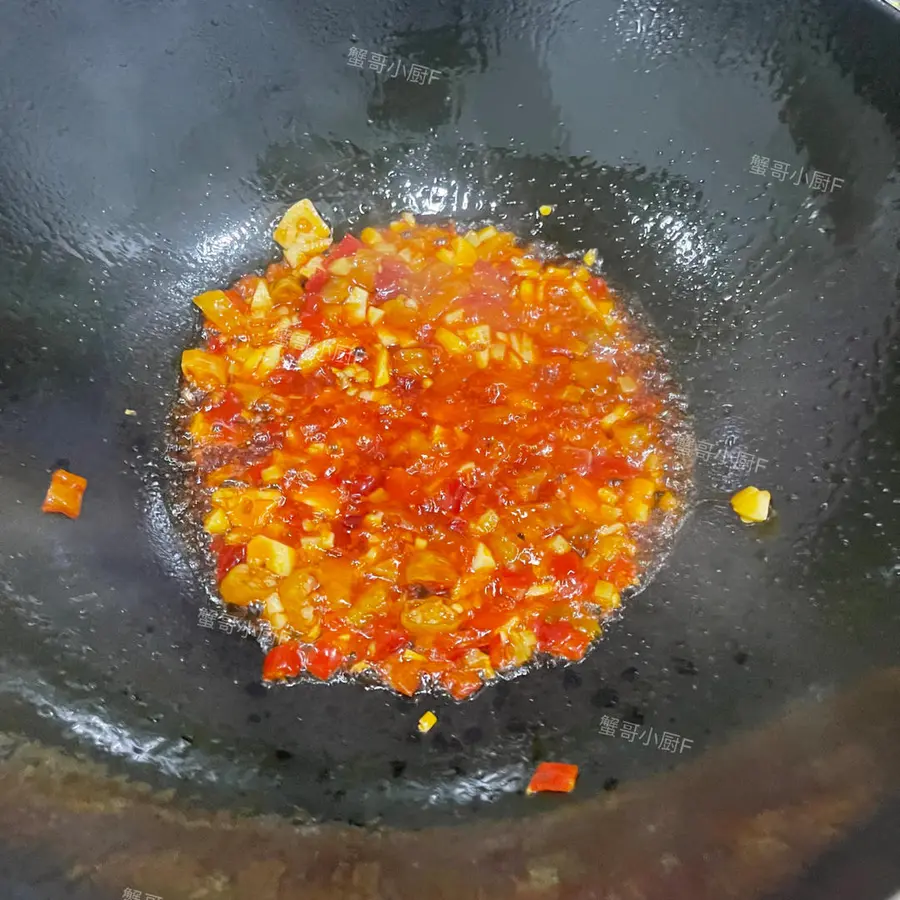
x=553 y=776
x=65 y=494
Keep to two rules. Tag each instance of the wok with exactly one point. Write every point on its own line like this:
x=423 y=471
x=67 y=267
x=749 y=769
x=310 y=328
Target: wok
x=146 y=150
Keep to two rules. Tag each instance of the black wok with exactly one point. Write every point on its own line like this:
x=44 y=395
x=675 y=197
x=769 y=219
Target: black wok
x=145 y=151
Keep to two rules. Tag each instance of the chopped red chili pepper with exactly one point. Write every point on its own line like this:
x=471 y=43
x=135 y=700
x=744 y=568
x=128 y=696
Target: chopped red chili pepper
x=323 y=662
x=316 y=281
x=390 y=278
x=283 y=661
x=226 y=411
x=386 y=642
x=402 y=675
x=562 y=639
x=428 y=453
x=347 y=247
x=553 y=776
x=612 y=467
x=227 y=557
x=461 y=684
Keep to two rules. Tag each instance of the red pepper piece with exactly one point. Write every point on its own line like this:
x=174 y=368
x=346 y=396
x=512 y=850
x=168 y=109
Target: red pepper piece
x=561 y=639
x=461 y=684
x=389 y=278
x=283 y=661
x=553 y=776
x=613 y=468
x=316 y=281
x=621 y=573
x=347 y=247
x=574 y=459
x=598 y=287
x=64 y=494
x=455 y=497
x=323 y=662
x=387 y=642
x=227 y=557
x=514 y=584
x=403 y=676
x=227 y=410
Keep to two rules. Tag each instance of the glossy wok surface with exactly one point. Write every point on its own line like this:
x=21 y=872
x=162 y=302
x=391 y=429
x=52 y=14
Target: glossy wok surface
x=144 y=154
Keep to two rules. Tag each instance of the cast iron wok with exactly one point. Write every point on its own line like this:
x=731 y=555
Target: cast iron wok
x=145 y=153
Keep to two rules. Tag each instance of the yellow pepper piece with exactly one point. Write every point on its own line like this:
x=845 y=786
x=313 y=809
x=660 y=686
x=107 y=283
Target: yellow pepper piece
x=752 y=504
x=200 y=427
x=486 y=523
x=449 y=341
x=219 y=310
x=572 y=393
x=216 y=522
x=301 y=220
x=317 y=354
x=205 y=370
x=311 y=267
x=244 y=585
x=259 y=362
x=668 y=502
x=306 y=246
x=265 y=553
x=607 y=596
x=299 y=340
x=483 y=559
x=523 y=643
x=271 y=474
x=261 y=302
x=478 y=335
x=323 y=498
x=355 y=305
x=463 y=252
x=427 y=722
x=545 y=209
x=382 y=367
x=341 y=266
x=247 y=507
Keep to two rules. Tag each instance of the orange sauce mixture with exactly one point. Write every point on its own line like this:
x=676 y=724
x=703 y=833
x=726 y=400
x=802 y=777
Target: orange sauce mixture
x=428 y=454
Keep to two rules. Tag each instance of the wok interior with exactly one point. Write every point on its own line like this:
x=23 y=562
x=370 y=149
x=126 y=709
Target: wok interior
x=749 y=288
